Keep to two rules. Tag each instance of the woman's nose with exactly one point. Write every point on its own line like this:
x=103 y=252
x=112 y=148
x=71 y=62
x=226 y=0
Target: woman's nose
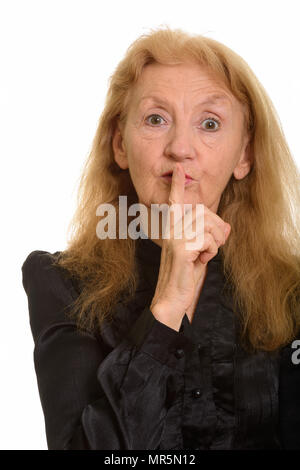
x=180 y=142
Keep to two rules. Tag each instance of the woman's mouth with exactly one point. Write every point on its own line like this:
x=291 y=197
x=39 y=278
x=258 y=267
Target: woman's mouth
x=168 y=179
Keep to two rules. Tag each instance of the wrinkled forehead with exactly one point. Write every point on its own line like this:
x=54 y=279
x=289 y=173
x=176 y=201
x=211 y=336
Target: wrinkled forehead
x=166 y=75
x=159 y=82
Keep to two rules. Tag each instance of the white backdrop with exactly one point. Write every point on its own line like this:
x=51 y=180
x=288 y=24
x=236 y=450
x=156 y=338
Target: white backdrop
x=56 y=58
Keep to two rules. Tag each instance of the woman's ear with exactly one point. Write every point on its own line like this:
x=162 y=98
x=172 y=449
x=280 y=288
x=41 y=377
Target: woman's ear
x=119 y=150
x=245 y=162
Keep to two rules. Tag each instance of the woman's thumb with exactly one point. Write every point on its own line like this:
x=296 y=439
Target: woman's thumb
x=227 y=229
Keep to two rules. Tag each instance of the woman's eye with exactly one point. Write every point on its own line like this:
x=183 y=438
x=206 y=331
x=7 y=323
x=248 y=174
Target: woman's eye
x=154 y=119
x=211 y=122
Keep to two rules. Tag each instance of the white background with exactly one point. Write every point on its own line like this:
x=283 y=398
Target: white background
x=56 y=58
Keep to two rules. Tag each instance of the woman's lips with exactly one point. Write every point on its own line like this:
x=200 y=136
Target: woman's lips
x=168 y=179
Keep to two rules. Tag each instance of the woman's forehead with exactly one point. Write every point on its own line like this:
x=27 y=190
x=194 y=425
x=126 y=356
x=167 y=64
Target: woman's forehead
x=157 y=81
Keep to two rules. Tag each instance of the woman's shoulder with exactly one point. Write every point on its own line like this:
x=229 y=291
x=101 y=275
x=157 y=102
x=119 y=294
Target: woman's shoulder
x=39 y=269
x=37 y=259
x=49 y=289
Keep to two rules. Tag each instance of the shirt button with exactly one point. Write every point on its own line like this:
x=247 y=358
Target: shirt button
x=197 y=393
x=179 y=353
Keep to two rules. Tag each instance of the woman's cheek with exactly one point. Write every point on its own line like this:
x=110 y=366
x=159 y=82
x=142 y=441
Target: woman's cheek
x=212 y=141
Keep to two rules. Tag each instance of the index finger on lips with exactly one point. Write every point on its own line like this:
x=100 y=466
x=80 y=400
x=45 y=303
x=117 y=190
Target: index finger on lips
x=176 y=195
x=176 y=201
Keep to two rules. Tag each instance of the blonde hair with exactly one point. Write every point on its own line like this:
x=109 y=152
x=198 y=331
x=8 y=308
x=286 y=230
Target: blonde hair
x=260 y=258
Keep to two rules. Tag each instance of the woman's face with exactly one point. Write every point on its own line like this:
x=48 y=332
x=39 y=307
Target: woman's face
x=171 y=120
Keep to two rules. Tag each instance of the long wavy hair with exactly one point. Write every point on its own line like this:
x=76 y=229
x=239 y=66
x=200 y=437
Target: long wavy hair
x=260 y=257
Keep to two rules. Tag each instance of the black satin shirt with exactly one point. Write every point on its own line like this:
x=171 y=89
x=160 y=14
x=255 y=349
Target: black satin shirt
x=139 y=384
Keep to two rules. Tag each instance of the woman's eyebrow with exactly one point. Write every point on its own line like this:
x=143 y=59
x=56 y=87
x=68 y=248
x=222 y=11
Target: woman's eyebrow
x=210 y=99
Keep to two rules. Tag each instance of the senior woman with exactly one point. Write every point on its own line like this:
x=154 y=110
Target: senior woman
x=141 y=343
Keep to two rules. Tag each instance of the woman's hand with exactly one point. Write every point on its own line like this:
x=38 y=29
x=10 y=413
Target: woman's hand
x=181 y=269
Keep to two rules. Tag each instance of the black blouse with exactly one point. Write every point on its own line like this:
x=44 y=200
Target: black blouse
x=139 y=384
